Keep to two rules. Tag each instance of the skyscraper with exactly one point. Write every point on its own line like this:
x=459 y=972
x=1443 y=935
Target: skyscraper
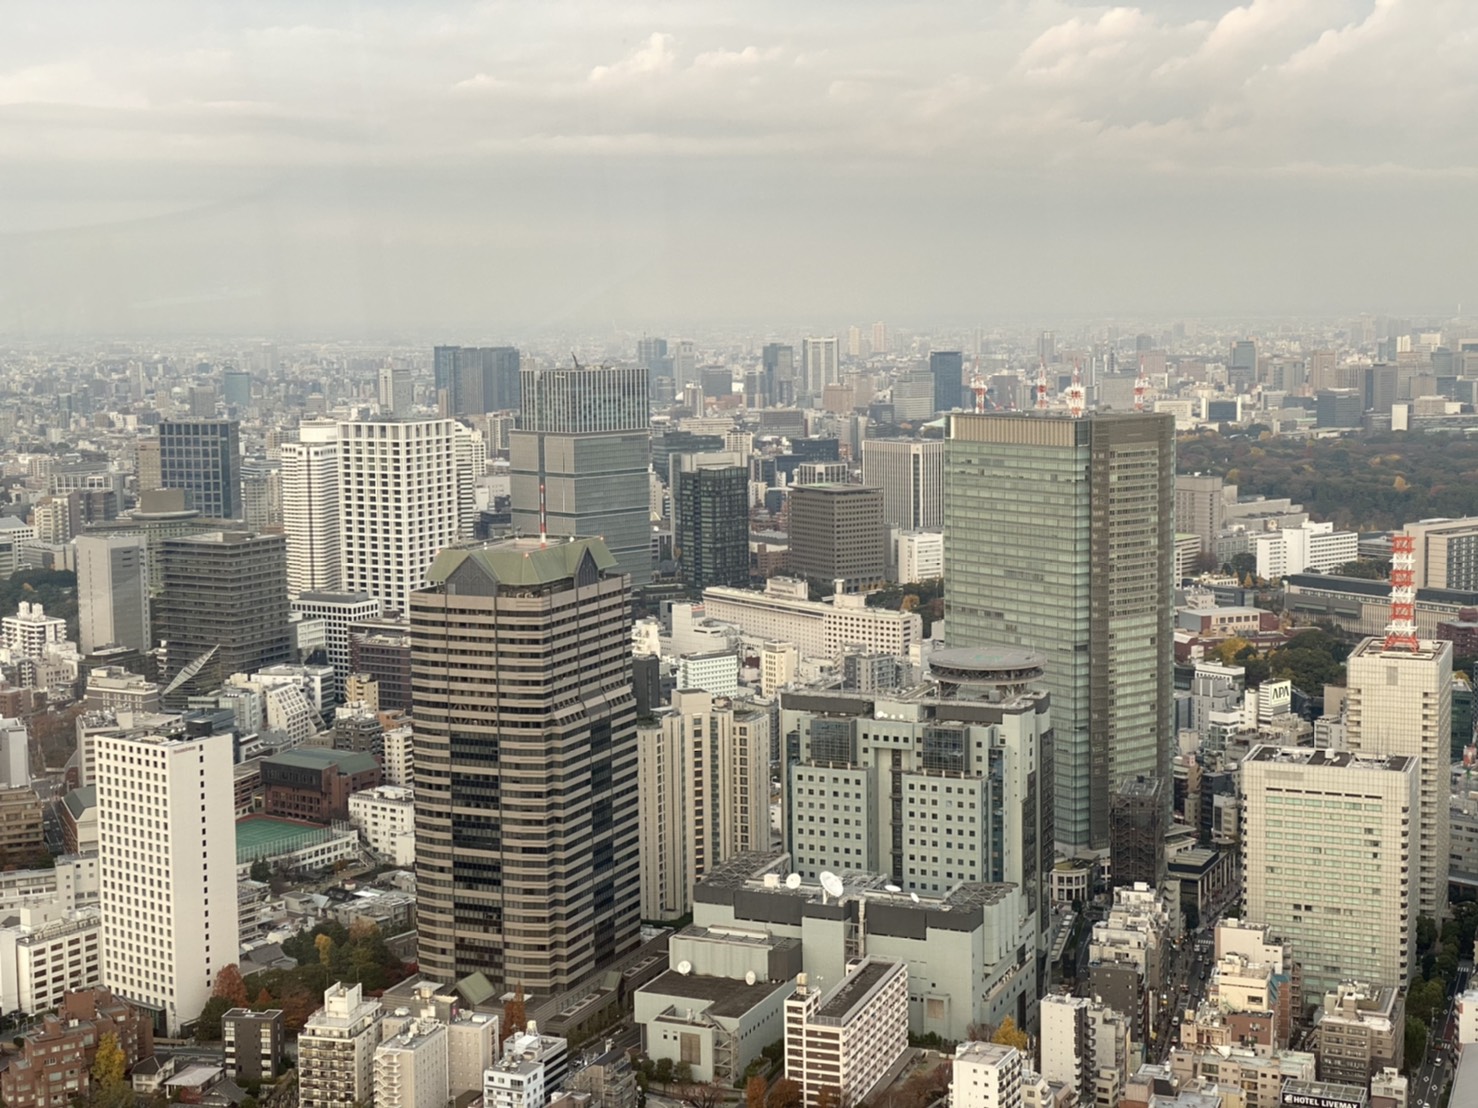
x=711 y=503
x=1400 y=702
x=472 y=380
x=397 y=390
x=837 y=534
x=818 y=365
x=113 y=591
x=310 y=507
x=167 y=869
x=203 y=457
x=777 y=362
x=527 y=859
x=911 y=474
x=948 y=370
x=398 y=504
x=580 y=457
x=1059 y=535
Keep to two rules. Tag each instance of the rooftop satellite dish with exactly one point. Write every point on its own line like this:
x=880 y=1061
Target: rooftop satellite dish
x=914 y=897
x=831 y=883
x=749 y=977
x=685 y=967
x=891 y=888
x=793 y=881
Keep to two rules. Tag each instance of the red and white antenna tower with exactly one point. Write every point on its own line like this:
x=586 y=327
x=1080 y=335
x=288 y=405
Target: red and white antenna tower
x=543 y=518
x=1042 y=386
x=1401 y=630
x=977 y=386
x=1141 y=386
x=1076 y=397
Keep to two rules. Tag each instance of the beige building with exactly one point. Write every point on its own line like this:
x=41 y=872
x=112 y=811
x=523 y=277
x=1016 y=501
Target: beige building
x=986 y=1075
x=703 y=794
x=1260 y=1077
x=819 y=629
x=1084 y=1046
x=847 y=1039
x=1359 y=1032
x=1400 y=702
x=336 y=1050
x=1446 y=553
x=1328 y=859
x=411 y=1068
x=911 y=474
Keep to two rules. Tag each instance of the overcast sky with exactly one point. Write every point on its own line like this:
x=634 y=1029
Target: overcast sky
x=352 y=168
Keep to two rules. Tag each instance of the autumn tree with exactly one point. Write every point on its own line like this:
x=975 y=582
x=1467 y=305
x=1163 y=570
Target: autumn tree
x=785 y=1093
x=754 y=1092
x=230 y=986
x=108 y=1064
x=702 y=1094
x=829 y=1096
x=515 y=1015
x=326 y=946
x=1008 y=1034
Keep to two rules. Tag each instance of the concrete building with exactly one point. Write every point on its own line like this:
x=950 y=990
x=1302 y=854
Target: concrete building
x=399 y=504
x=1346 y=902
x=46 y=953
x=1446 y=555
x=716 y=1023
x=1311 y=546
x=397 y=388
x=30 y=632
x=563 y=742
x=819 y=367
x=1033 y=507
x=837 y=535
x=340 y=613
x=387 y=816
x=910 y=474
x=54 y=1069
x=1200 y=507
x=310 y=507
x=1358 y=1032
x=1084 y=1046
x=112 y=592
x=580 y=457
x=703 y=794
x=917 y=556
x=115 y=689
x=710 y=506
x=819 y=629
x=1128 y=956
x=315 y=784
x=847 y=1039
x=986 y=1075
x=1400 y=702
x=532 y=1068
x=203 y=457
x=167 y=865
x=255 y=1043
x=336 y=1050
x=412 y=1068
x=1262 y=1078
x=1137 y=835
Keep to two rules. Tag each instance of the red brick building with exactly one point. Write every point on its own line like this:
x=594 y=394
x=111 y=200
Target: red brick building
x=55 y=1065
x=314 y=783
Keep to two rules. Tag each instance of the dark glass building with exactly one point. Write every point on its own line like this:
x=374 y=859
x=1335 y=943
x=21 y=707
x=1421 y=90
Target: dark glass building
x=203 y=457
x=711 y=505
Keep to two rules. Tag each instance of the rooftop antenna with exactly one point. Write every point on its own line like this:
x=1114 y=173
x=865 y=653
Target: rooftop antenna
x=575 y=360
x=793 y=881
x=831 y=885
x=1042 y=386
x=1401 y=630
x=977 y=386
x=1141 y=386
x=1076 y=397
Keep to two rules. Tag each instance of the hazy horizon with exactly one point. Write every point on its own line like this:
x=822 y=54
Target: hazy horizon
x=377 y=168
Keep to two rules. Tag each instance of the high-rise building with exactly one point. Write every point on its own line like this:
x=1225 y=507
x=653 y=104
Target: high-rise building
x=580 y=459
x=947 y=367
x=651 y=355
x=837 y=534
x=1446 y=553
x=339 y=612
x=1400 y=702
x=1059 y=536
x=819 y=366
x=527 y=856
x=112 y=592
x=704 y=794
x=167 y=869
x=397 y=390
x=711 y=504
x=203 y=457
x=336 y=1050
x=1329 y=853
x=1139 y=816
x=840 y=1044
x=310 y=507
x=777 y=364
x=412 y=1067
x=236 y=388
x=1084 y=1045
x=1242 y=370
x=254 y=1042
x=224 y=599
x=472 y=380
x=911 y=474
x=398 y=504
x=1200 y=507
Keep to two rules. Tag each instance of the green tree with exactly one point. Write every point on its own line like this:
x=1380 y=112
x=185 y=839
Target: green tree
x=1416 y=1043
x=261 y=870
x=1426 y=932
x=208 y=1024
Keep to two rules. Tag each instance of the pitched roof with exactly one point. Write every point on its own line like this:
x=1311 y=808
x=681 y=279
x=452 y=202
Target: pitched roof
x=523 y=562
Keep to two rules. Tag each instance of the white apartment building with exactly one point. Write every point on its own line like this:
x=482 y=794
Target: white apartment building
x=533 y=1068
x=399 y=502
x=167 y=863
x=397 y=760
x=72 y=883
x=336 y=1050
x=1316 y=546
x=911 y=474
x=338 y=611
x=1329 y=860
x=986 y=1075
x=847 y=1039
x=779 y=662
x=1400 y=702
x=918 y=556
x=715 y=672
x=30 y=631
x=387 y=816
x=112 y=591
x=412 y=1069
x=819 y=629
x=47 y=953
x=310 y=508
x=703 y=770
x=1085 y=1046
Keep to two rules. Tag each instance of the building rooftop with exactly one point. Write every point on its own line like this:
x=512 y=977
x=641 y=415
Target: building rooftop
x=856 y=989
x=523 y=561
x=1337 y=759
x=318 y=757
x=727 y=997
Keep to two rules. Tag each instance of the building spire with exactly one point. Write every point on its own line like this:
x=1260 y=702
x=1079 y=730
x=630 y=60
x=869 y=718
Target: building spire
x=1401 y=630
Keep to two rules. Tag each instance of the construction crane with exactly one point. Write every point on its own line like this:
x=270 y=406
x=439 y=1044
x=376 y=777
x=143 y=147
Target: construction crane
x=982 y=397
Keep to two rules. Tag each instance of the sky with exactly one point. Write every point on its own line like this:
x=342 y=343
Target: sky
x=477 y=170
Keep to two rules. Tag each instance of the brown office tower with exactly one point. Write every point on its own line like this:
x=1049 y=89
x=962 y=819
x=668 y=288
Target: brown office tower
x=1137 y=832
x=837 y=534
x=525 y=764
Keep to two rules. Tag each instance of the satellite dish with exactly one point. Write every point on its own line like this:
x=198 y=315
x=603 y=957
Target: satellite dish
x=890 y=888
x=831 y=883
x=685 y=967
x=793 y=881
x=749 y=977
x=914 y=897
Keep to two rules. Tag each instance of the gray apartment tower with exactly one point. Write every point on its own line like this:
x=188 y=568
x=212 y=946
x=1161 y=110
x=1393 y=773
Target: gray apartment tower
x=527 y=860
x=1059 y=535
x=203 y=457
x=580 y=457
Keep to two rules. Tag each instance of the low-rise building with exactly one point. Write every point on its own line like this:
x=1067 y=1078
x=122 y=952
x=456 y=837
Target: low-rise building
x=533 y=1067
x=314 y=783
x=387 y=816
x=840 y=1044
x=1262 y=1077
x=986 y=1075
x=254 y=1043
x=716 y=1024
x=48 y=953
x=1085 y=1047
x=1359 y=1031
x=55 y=1064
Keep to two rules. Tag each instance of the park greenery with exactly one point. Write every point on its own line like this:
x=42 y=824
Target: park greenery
x=924 y=597
x=1439 y=952
x=1311 y=659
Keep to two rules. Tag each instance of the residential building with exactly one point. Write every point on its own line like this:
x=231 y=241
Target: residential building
x=30 y=631
x=563 y=743
x=387 y=816
x=255 y=1043
x=1085 y=1046
x=22 y=830
x=580 y=457
x=711 y=539
x=1129 y=954
x=310 y=508
x=703 y=794
x=837 y=536
x=399 y=504
x=986 y=1075
x=203 y=457
x=412 y=1068
x=54 y=1069
x=336 y=1050
x=115 y=689
x=112 y=592
x=1359 y=1031
x=1329 y=859
x=15 y=754
x=315 y=783
x=847 y=1039
x=1264 y=1079
x=533 y=1067
x=46 y=953
x=167 y=863
x=1399 y=701
x=819 y=629
x=1059 y=537
x=910 y=472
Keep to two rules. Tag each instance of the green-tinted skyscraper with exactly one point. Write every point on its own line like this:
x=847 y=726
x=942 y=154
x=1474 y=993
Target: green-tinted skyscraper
x=712 y=508
x=1059 y=535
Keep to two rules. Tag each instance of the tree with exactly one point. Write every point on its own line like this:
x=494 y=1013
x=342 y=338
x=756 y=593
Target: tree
x=108 y=1064
x=230 y=986
x=702 y=1094
x=785 y=1093
x=263 y=1001
x=662 y=1072
x=1008 y=1034
x=261 y=870
x=754 y=1092
x=208 y=1023
x=1426 y=932
x=325 y=946
x=829 y=1096
x=1416 y=1043
x=515 y=1016
x=682 y=1073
